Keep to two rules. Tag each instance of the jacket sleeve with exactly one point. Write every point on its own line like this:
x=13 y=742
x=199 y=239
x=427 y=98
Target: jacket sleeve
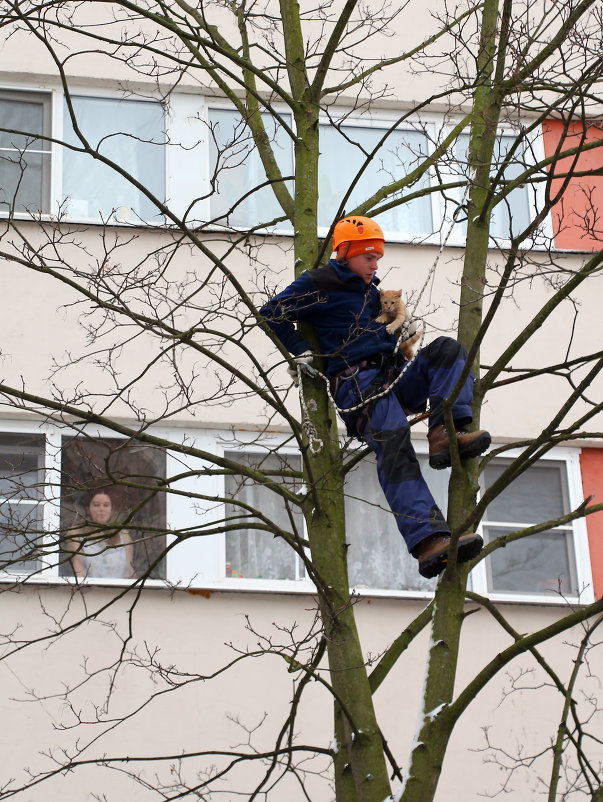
x=296 y=302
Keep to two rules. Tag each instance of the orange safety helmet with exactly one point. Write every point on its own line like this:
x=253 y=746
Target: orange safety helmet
x=354 y=235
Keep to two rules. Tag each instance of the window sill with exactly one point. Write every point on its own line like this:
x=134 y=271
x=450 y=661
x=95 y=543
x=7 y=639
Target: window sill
x=283 y=588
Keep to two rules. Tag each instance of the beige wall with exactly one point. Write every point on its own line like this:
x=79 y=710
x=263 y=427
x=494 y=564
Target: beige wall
x=192 y=633
x=51 y=329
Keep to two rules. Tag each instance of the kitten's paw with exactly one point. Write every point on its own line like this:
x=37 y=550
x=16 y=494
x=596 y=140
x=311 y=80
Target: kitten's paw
x=391 y=329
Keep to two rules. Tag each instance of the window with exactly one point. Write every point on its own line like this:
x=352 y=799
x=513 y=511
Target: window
x=254 y=552
x=48 y=523
x=24 y=158
x=238 y=171
x=131 y=133
x=344 y=151
x=136 y=143
x=240 y=200
x=532 y=569
x=124 y=475
x=540 y=563
x=21 y=496
x=377 y=556
x=511 y=215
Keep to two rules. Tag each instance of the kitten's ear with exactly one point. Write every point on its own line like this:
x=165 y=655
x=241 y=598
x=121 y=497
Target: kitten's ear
x=398 y=293
x=381 y=293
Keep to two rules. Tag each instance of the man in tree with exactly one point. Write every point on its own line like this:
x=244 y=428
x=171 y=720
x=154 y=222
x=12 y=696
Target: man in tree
x=341 y=303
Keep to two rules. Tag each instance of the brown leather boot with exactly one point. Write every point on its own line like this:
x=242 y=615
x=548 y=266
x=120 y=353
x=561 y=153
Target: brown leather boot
x=471 y=444
x=432 y=553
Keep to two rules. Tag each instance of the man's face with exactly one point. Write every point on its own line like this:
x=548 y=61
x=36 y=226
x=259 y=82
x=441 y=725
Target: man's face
x=364 y=265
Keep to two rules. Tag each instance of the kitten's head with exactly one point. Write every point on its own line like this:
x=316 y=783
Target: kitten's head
x=390 y=299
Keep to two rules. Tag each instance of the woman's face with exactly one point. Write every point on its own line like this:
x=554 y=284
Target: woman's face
x=99 y=508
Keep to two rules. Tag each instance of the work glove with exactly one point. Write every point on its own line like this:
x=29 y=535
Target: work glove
x=410 y=328
x=305 y=362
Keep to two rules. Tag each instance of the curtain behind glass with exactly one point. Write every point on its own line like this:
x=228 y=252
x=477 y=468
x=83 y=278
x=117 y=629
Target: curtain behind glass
x=342 y=153
x=255 y=553
x=377 y=556
x=132 y=134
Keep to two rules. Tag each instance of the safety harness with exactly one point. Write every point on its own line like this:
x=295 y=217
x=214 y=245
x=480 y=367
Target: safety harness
x=380 y=385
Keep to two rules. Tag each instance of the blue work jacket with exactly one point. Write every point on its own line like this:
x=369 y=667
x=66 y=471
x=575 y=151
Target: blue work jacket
x=341 y=309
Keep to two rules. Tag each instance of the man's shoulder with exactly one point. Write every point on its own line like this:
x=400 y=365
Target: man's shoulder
x=326 y=278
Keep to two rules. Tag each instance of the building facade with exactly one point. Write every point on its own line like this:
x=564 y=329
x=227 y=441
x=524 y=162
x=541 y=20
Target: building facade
x=219 y=588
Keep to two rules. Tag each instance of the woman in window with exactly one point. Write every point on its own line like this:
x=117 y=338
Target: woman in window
x=98 y=549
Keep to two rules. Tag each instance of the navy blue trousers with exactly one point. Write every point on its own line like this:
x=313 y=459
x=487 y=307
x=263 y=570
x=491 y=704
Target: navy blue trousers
x=431 y=377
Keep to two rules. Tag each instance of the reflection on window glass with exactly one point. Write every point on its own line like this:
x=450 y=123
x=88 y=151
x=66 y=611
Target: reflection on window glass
x=542 y=562
x=342 y=154
x=539 y=563
x=113 y=519
x=253 y=552
x=511 y=215
x=238 y=170
x=130 y=133
x=24 y=158
x=377 y=555
x=21 y=508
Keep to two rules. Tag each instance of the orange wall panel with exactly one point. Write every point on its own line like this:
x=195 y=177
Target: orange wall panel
x=591 y=463
x=578 y=216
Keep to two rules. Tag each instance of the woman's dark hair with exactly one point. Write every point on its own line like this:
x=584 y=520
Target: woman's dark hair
x=90 y=494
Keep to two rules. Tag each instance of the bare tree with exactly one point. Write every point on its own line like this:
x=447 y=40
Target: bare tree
x=157 y=315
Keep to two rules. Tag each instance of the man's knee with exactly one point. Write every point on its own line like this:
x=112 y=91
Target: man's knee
x=398 y=459
x=443 y=352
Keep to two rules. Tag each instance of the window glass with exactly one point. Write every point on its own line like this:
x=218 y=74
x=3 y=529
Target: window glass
x=540 y=494
x=344 y=151
x=513 y=214
x=24 y=158
x=253 y=552
x=377 y=555
x=21 y=508
x=113 y=519
x=132 y=134
x=237 y=170
x=541 y=562
x=537 y=564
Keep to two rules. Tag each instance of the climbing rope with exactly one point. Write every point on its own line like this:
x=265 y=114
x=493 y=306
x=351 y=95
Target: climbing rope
x=314 y=442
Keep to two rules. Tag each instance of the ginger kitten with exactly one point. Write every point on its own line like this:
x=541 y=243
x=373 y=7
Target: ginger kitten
x=395 y=313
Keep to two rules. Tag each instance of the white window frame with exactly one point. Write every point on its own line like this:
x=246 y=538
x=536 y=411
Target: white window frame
x=50 y=146
x=246 y=443
x=199 y=562
x=535 y=145
x=51 y=515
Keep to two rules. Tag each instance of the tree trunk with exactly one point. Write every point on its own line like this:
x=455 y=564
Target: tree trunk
x=435 y=726
x=360 y=769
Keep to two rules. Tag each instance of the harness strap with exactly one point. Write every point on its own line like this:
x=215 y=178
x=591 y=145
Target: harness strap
x=359 y=416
